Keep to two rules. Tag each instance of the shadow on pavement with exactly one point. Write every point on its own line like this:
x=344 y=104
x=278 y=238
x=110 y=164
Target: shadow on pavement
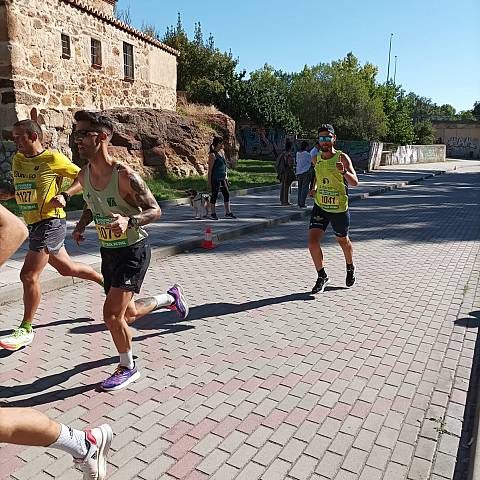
x=409 y=215
x=51 y=324
x=466 y=446
x=168 y=320
x=49 y=397
x=44 y=383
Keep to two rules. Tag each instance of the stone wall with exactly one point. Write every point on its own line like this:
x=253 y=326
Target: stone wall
x=7 y=107
x=461 y=139
x=410 y=154
x=44 y=80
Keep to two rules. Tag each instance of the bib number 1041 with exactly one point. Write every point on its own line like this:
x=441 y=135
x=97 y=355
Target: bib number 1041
x=329 y=200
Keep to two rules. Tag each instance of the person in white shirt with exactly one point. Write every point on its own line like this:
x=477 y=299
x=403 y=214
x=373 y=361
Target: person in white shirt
x=303 y=172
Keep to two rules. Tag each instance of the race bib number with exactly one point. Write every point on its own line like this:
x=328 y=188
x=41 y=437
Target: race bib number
x=107 y=238
x=329 y=200
x=26 y=196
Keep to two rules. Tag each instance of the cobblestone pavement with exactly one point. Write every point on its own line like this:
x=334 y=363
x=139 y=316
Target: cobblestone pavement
x=177 y=225
x=264 y=380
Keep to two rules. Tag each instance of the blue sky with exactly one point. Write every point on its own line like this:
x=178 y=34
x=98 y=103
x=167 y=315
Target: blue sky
x=437 y=42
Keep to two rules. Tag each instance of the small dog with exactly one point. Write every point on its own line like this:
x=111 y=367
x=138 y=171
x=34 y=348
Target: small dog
x=200 y=202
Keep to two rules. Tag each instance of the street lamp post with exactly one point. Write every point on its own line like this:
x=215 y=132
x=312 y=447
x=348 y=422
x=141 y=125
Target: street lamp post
x=389 y=53
x=395 y=71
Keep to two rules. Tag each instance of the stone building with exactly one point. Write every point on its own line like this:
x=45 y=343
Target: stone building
x=58 y=56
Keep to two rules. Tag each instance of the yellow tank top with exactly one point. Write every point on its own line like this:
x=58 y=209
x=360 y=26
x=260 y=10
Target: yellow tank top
x=332 y=191
x=37 y=180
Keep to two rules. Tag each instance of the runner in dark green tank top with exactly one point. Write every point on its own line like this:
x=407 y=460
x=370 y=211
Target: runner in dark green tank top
x=334 y=172
x=120 y=203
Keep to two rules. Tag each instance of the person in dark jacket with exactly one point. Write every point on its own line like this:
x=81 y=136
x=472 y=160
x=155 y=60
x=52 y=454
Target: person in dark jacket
x=217 y=177
x=285 y=173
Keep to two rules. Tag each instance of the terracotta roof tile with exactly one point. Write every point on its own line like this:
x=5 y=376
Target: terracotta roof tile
x=122 y=26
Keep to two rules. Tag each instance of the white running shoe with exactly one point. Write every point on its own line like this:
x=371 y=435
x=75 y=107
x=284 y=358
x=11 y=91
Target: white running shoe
x=19 y=338
x=94 y=465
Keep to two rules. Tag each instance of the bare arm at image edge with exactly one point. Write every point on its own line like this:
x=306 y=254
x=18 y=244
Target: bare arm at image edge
x=12 y=234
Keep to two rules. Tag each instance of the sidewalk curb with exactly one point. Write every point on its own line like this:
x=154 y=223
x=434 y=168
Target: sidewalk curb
x=76 y=214
x=14 y=292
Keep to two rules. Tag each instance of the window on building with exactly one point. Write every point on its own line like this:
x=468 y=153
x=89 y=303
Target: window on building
x=65 y=46
x=96 y=53
x=128 y=67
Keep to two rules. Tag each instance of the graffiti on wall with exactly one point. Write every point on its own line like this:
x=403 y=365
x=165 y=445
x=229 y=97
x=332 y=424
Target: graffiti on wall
x=463 y=147
x=260 y=143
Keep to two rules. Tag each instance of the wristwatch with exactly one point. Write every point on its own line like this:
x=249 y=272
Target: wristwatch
x=66 y=196
x=133 y=222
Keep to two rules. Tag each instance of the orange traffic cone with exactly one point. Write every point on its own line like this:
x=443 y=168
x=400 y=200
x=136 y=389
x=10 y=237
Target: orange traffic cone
x=208 y=242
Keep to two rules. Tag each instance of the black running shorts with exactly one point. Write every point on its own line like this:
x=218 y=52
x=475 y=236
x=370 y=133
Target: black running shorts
x=321 y=218
x=125 y=267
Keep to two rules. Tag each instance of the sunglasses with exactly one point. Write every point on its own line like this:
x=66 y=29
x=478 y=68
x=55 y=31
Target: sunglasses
x=325 y=139
x=81 y=134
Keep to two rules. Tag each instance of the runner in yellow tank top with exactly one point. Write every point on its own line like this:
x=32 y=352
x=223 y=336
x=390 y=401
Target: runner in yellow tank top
x=38 y=175
x=334 y=172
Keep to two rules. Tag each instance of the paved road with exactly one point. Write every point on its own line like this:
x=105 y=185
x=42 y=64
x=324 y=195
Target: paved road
x=177 y=225
x=264 y=380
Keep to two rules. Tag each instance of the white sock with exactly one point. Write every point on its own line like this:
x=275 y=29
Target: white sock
x=163 y=300
x=126 y=359
x=72 y=441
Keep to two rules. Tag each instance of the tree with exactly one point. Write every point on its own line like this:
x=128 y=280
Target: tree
x=123 y=14
x=424 y=133
x=343 y=93
x=151 y=30
x=199 y=62
x=466 y=115
x=397 y=109
x=445 y=112
x=476 y=110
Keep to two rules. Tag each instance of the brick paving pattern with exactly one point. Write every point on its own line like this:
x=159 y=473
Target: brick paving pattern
x=264 y=381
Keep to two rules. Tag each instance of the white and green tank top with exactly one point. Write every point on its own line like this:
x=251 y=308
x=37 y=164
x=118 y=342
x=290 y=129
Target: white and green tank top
x=103 y=204
x=332 y=190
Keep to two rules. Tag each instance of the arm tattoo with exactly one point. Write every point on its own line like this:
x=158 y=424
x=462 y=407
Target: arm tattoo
x=85 y=219
x=143 y=198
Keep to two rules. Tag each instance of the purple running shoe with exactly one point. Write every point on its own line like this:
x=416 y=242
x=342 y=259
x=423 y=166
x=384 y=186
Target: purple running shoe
x=122 y=377
x=180 y=304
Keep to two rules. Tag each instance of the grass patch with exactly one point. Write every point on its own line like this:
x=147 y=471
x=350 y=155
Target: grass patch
x=248 y=174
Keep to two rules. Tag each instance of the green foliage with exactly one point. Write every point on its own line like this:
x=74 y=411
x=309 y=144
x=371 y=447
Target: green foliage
x=397 y=108
x=476 y=110
x=342 y=93
x=200 y=64
x=467 y=115
x=263 y=99
x=424 y=133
